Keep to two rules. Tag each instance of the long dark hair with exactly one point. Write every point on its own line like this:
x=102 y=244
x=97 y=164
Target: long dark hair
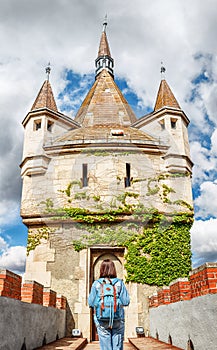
x=107 y=269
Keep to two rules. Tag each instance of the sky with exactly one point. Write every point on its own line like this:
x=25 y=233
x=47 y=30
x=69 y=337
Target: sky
x=141 y=34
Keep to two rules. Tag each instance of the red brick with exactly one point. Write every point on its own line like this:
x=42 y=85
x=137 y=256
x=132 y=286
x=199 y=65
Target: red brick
x=9 y=284
x=153 y=300
x=163 y=296
x=49 y=297
x=32 y=292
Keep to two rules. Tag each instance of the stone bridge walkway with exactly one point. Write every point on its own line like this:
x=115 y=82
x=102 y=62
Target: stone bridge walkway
x=133 y=344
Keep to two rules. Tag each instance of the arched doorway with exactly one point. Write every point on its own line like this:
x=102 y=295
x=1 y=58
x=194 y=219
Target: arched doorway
x=97 y=256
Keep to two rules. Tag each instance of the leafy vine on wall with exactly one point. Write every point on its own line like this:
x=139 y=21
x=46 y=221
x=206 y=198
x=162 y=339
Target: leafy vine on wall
x=158 y=245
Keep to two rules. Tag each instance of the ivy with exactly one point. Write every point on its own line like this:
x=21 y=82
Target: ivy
x=81 y=195
x=158 y=251
x=48 y=204
x=161 y=253
x=158 y=245
x=104 y=234
x=35 y=237
x=152 y=190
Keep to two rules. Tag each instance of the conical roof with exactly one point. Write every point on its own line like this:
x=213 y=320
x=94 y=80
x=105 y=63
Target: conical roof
x=45 y=98
x=165 y=97
x=105 y=104
x=104 y=46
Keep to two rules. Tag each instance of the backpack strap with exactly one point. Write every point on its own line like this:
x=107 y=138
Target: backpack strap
x=102 y=299
x=115 y=298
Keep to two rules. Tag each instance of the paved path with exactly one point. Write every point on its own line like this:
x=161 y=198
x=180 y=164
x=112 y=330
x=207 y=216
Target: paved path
x=66 y=344
x=151 y=344
x=133 y=344
x=95 y=346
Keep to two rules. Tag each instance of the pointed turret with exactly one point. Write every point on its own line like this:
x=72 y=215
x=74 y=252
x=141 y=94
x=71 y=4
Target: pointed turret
x=104 y=59
x=45 y=98
x=165 y=97
x=104 y=103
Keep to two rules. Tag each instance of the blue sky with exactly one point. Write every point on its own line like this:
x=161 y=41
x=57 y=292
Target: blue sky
x=141 y=34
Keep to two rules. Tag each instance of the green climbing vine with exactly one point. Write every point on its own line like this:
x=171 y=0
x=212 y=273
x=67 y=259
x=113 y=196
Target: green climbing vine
x=35 y=237
x=161 y=253
x=158 y=244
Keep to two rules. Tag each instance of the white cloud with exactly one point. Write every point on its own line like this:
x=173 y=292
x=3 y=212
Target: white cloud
x=9 y=212
x=141 y=34
x=13 y=258
x=203 y=162
x=204 y=241
x=3 y=245
x=206 y=202
x=214 y=142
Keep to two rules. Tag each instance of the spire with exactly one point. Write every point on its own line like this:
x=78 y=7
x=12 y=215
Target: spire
x=45 y=98
x=104 y=59
x=165 y=97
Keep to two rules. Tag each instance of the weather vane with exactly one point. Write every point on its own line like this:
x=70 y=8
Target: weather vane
x=162 y=70
x=105 y=22
x=47 y=70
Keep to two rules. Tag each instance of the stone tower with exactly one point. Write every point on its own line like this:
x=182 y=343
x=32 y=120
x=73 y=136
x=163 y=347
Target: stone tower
x=106 y=184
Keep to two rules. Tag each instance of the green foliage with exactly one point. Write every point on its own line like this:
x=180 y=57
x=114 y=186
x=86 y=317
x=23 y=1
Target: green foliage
x=96 y=198
x=67 y=191
x=35 y=237
x=184 y=204
x=48 y=204
x=158 y=245
x=88 y=216
x=161 y=253
x=81 y=195
x=122 y=197
x=158 y=250
x=152 y=190
x=104 y=234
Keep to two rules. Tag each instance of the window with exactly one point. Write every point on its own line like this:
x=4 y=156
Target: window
x=84 y=175
x=37 y=125
x=117 y=132
x=173 y=123
x=49 y=125
x=127 y=178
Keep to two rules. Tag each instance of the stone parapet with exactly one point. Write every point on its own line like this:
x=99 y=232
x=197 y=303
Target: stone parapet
x=49 y=297
x=202 y=281
x=10 y=284
x=153 y=300
x=163 y=296
x=61 y=302
x=32 y=292
x=180 y=290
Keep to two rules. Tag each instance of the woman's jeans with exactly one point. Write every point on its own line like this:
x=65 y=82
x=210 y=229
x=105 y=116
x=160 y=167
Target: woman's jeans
x=111 y=338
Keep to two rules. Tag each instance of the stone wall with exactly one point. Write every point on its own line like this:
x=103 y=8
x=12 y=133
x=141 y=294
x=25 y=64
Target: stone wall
x=30 y=314
x=185 y=312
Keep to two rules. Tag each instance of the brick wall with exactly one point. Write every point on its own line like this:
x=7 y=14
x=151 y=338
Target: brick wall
x=202 y=281
x=30 y=291
x=10 y=284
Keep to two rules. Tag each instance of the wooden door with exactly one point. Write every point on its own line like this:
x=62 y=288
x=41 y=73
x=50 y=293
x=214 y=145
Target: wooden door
x=116 y=255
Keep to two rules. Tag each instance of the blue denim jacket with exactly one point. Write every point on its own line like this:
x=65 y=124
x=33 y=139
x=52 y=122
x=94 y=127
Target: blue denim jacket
x=121 y=291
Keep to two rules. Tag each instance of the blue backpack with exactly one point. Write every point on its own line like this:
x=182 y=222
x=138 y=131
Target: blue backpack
x=107 y=303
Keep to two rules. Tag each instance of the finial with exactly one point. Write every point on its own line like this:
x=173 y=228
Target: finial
x=47 y=70
x=162 y=70
x=105 y=22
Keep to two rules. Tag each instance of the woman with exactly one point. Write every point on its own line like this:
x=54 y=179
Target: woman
x=110 y=332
